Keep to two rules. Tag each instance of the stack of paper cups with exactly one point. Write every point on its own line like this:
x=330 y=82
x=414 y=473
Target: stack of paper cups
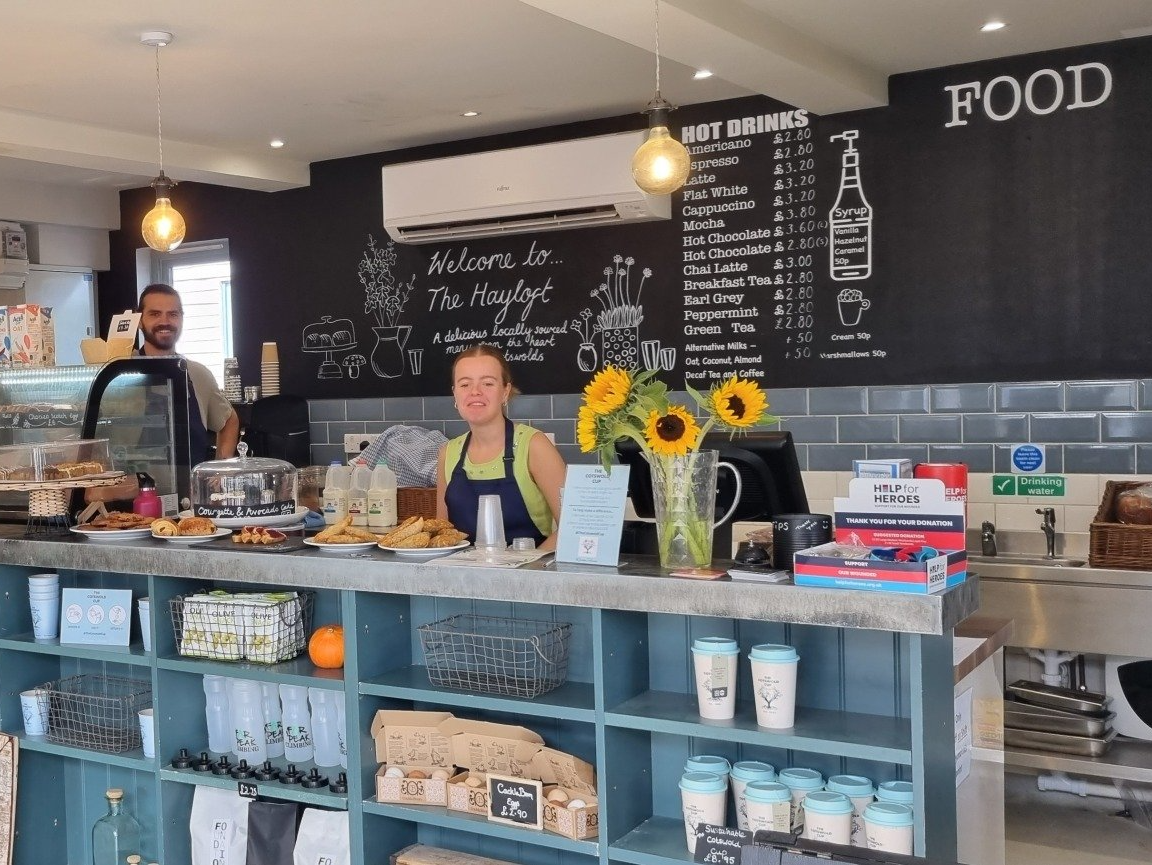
x=44 y=600
x=144 y=608
x=269 y=370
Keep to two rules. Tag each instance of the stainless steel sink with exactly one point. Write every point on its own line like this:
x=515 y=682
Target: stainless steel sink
x=1026 y=559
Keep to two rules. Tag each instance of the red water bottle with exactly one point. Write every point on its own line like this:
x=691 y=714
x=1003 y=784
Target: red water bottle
x=147 y=504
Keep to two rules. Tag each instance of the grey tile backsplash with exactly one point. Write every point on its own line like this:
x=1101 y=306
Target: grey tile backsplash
x=1095 y=427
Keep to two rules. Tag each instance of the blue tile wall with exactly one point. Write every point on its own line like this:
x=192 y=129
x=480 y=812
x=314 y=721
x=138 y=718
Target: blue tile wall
x=1098 y=427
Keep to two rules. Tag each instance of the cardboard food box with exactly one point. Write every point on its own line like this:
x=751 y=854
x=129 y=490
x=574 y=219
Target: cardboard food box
x=5 y=339
x=574 y=823
x=120 y=343
x=423 y=854
x=484 y=746
x=411 y=738
x=47 y=337
x=412 y=791
x=24 y=335
x=465 y=797
x=822 y=567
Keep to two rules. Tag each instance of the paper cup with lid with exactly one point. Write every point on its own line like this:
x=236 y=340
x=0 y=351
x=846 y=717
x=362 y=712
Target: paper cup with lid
x=900 y=792
x=828 y=817
x=743 y=773
x=774 y=684
x=888 y=827
x=704 y=799
x=709 y=763
x=714 y=660
x=800 y=782
x=860 y=790
x=769 y=806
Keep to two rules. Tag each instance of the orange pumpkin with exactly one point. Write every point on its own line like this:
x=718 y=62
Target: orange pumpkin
x=326 y=647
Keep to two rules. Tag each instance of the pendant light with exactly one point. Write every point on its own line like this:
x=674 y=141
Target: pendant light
x=163 y=226
x=661 y=164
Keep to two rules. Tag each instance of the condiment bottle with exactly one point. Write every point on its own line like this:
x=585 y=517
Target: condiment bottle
x=147 y=503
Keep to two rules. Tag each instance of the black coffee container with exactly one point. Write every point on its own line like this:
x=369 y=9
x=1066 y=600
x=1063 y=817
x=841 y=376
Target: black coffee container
x=793 y=532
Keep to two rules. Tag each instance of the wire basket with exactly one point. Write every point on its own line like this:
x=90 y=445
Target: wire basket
x=265 y=629
x=97 y=712
x=517 y=657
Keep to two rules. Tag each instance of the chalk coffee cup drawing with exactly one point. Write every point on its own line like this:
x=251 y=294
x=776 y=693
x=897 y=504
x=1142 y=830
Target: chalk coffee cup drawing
x=703 y=800
x=774 y=684
x=851 y=303
x=828 y=817
x=888 y=827
x=34 y=708
x=714 y=660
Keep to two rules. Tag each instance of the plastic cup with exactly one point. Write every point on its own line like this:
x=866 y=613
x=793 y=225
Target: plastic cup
x=769 y=806
x=490 y=524
x=715 y=660
x=144 y=610
x=888 y=827
x=524 y=544
x=709 y=763
x=703 y=799
x=34 y=708
x=860 y=791
x=744 y=773
x=774 y=685
x=828 y=817
x=800 y=783
x=147 y=732
x=45 y=607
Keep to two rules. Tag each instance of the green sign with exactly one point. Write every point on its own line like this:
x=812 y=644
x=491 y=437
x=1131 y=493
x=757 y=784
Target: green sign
x=1028 y=485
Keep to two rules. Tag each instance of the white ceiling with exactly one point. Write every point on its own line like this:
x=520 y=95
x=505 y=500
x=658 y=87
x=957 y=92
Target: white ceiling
x=338 y=78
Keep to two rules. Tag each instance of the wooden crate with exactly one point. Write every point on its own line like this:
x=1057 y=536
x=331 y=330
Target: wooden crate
x=1118 y=545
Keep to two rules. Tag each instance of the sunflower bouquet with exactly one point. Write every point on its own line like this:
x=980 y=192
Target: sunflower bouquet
x=622 y=404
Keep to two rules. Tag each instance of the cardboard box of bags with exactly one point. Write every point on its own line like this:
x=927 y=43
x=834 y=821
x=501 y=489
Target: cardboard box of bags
x=411 y=742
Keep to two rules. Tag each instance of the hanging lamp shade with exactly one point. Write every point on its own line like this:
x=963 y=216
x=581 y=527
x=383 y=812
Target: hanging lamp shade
x=661 y=164
x=163 y=226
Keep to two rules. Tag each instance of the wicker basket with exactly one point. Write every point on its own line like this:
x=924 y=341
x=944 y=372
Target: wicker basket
x=1117 y=545
x=415 y=502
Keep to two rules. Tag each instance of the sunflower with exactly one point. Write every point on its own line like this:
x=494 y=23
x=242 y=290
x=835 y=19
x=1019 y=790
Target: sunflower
x=608 y=391
x=673 y=433
x=586 y=430
x=738 y=402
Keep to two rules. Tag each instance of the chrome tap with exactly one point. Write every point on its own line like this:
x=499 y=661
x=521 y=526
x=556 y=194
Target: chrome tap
x=988 y=538
x=1049 y=529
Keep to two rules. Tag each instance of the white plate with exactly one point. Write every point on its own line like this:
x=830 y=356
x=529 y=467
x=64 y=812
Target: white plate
x=193 y=539
x=112 y=535
x=270 y=522
x=425 y=552
x=340 y=549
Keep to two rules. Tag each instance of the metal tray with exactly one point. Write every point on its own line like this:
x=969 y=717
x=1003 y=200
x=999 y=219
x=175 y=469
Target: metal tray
x=1059 y=698
x=1023 y=716
x=1082 y=746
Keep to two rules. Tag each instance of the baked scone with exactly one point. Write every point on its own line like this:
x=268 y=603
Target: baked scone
x=165 y=528
x=195 y=526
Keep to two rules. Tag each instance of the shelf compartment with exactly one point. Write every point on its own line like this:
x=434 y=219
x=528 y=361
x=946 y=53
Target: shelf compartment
x=656 y=841
x=458 y=821
x=299 y=671
x=133 y=654
x=842 y=734
x=321 y=796
x=133 y=759
x=1127 y=760
x=573 y=701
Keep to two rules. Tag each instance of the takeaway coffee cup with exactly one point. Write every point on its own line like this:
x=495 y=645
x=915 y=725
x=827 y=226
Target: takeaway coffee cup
x=144 y=610
x=828 y=817
x=490 y=524
x=744 y=773
x=888 y=827
x=800 y=782
x=715 y=660
x=704 y=800
x=774 y=684
x=895 y=791
x=860 y=791
x=709 y=763
x=769 y=806
x=147 y=732
x=34 y=708
x=44 y=604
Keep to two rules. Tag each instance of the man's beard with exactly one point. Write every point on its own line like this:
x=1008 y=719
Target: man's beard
x=164 y=340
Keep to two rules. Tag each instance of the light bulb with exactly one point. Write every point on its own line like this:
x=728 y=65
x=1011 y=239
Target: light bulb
x=661 y=164
x=163 y=226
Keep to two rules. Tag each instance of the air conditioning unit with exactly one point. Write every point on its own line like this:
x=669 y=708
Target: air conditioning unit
x=568 y=184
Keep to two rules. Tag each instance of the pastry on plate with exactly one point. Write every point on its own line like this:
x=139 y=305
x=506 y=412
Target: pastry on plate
x=165 y=528
x=196 y=526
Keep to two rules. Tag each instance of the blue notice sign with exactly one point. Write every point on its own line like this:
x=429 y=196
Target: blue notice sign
x=1027 y=459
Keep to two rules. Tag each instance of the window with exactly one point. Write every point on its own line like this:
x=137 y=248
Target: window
x=201 y=273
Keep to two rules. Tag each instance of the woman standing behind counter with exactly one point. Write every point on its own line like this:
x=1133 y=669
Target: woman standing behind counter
x=496 y=457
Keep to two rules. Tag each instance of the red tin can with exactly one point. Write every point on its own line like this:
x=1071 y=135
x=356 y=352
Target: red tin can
x=954 y=476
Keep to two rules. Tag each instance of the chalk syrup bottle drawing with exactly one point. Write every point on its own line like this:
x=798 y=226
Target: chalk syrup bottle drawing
x=850 y=221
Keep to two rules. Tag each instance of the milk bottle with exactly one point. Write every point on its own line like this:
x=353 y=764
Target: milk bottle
x=334 y=496
x=361 y=479
x=382 y=497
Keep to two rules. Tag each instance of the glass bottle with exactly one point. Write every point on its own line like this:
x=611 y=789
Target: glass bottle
x=116 y=835
x=850 y=220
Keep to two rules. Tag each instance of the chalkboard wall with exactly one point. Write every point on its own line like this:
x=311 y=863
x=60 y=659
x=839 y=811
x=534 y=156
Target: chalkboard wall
x=992 y=223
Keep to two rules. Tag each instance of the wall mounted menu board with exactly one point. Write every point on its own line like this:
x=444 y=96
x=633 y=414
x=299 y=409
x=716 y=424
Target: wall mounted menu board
x=991 y=223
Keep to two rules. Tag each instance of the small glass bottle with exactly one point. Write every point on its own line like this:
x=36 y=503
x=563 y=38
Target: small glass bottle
x=116 y=835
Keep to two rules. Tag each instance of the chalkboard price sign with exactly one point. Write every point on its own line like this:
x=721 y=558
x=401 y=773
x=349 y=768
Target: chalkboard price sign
x=516 y=801
x=720 y=845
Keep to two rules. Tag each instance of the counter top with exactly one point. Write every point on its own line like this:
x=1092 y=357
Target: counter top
x=992 y=635
x=637 y=585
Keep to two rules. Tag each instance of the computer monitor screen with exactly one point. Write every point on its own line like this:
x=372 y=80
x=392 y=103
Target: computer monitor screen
x=769 y=471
